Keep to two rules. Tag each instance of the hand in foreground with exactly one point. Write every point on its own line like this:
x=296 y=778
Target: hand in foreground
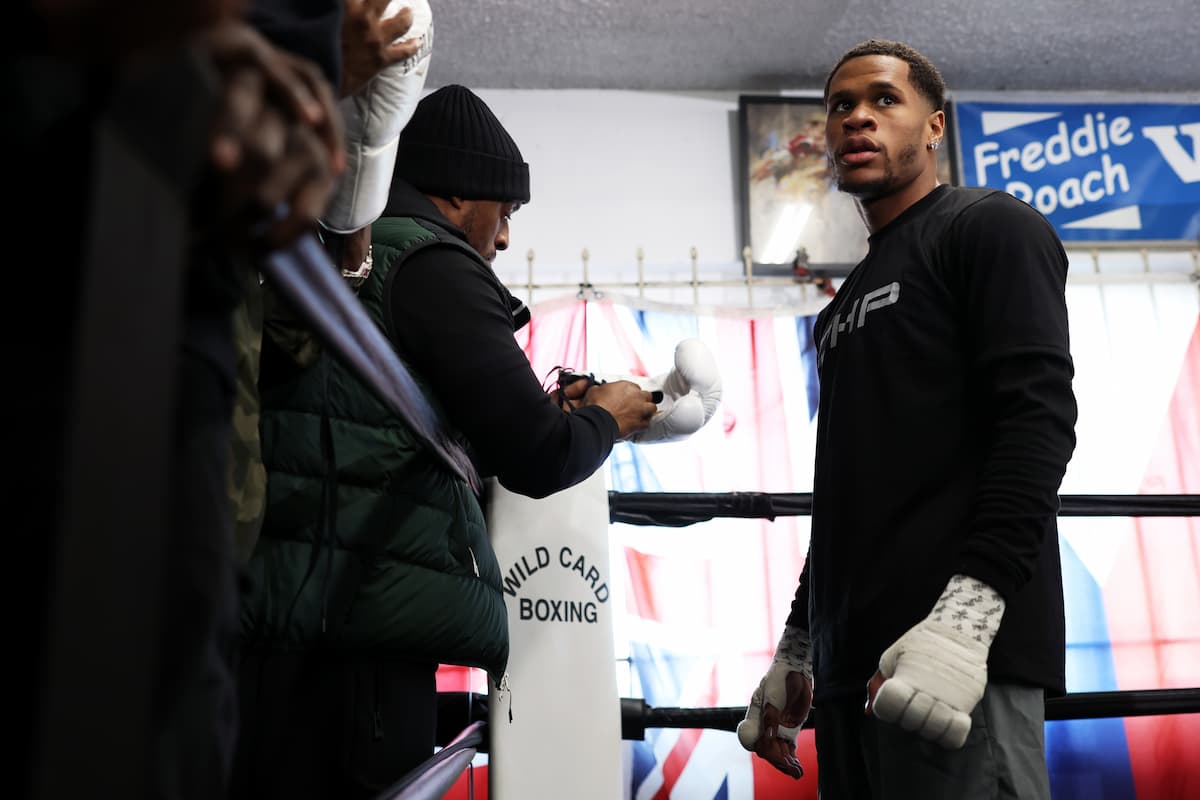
x=780 y=705
x=369 y=41
x=691 y=393
x=931 y=679
x=630 y=405
x=276 y=146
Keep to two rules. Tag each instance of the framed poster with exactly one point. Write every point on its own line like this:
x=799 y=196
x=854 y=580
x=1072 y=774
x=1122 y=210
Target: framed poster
x=790 y=201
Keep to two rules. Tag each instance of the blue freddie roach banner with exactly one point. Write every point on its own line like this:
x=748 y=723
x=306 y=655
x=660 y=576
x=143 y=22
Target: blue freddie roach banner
x=1097 y=171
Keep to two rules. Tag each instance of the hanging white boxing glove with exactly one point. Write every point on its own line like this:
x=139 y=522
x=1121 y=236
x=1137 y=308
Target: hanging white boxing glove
x=372 y=120
x=936 y=672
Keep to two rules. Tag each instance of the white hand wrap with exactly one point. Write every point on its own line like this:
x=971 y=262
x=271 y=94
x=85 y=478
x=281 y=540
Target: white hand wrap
x=794 y=654
x=691 y=393
x=373 y=119
x=937 y=671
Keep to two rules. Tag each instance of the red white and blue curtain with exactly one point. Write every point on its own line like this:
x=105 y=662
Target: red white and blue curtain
x=704 y=605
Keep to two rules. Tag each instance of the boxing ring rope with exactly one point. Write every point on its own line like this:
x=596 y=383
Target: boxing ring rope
x=637 y=716
x=434 y=778
x=678 y=509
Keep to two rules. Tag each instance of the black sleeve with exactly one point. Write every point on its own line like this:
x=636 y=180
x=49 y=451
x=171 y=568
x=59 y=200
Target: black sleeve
x=454 y=325
x=1013 y=278
x=798 y=616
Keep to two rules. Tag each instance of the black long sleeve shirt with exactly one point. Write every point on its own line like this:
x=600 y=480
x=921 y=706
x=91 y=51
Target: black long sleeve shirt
x=946 y=422
x=453 y=323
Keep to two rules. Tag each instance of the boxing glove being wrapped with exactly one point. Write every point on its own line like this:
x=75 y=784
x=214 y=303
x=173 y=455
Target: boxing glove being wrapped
x=691 y=393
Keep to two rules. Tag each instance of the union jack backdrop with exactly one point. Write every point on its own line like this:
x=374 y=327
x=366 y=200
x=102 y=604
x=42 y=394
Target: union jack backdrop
x=704 y=605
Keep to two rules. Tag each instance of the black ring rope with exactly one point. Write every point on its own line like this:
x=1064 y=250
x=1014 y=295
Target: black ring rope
x=637 y=715
x=678 y=509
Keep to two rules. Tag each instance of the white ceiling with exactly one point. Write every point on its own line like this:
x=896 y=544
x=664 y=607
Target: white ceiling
x=765 y=45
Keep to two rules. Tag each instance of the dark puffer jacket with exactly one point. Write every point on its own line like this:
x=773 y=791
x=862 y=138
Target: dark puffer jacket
x=369 y=543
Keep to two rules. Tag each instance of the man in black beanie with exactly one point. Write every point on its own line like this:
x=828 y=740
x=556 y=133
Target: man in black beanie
x=459 y=177
x=374 y=564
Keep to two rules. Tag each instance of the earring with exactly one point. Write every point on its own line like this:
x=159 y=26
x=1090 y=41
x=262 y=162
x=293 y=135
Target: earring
x=935 y=144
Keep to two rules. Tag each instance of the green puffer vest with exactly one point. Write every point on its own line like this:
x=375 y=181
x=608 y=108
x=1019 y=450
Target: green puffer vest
x=400 y=564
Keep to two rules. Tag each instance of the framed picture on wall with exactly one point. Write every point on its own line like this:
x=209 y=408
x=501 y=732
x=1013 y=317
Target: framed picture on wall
x=790 y=201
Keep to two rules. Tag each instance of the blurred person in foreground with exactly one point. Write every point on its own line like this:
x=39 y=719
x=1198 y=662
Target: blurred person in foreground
x=165 y=144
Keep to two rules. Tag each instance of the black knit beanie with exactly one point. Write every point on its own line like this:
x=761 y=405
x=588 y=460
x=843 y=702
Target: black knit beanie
x=455 y=147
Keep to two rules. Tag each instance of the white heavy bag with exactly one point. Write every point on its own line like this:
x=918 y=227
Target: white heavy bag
x=564 y=739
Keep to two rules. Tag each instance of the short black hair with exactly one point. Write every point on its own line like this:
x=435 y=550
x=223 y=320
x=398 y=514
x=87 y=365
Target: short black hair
x=922 y=74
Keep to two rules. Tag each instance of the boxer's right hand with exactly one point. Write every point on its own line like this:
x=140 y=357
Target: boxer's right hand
x=780 y=704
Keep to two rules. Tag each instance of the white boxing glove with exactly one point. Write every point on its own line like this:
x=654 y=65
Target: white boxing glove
x=794 y=654
x=373 y=119
x=691 y=394
x=936 y=672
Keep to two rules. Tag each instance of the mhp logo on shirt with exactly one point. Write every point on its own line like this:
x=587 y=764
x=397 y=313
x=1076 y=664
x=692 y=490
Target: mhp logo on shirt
x=1097 y=171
